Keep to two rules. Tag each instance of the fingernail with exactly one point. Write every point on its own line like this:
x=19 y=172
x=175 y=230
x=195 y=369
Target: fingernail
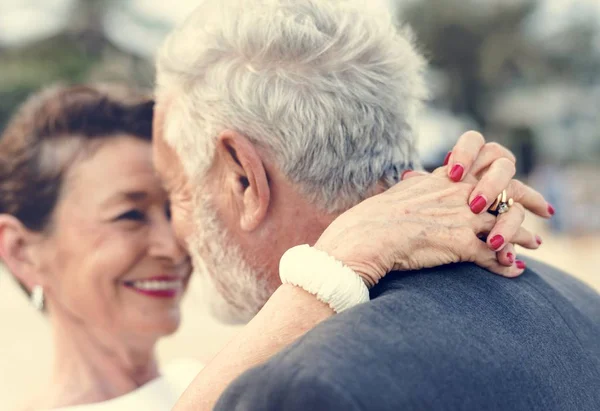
x=551 y=209
x=497 y=242
x=538 y=240
x=457 y=172
x=405 y=172
x=478 y=204
x=447 y=158
x=521 y=265
x=511 y=258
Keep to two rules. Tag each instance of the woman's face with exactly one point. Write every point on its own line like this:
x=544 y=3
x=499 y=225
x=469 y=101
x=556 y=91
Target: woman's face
x=110 y=261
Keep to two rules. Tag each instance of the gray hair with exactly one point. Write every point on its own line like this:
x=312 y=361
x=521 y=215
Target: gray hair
x=330 y=89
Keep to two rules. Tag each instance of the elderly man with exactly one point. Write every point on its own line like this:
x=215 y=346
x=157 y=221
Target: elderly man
x=273 y=118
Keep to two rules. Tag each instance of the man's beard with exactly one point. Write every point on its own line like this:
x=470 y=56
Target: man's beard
x=234 y=290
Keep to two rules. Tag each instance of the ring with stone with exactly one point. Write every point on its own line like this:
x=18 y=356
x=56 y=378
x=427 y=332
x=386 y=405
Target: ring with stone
x=502 y=204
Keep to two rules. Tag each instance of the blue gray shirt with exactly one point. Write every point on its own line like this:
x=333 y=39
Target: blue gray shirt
x=448 y=338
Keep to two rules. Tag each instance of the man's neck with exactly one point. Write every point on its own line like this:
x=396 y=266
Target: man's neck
x=89 y=367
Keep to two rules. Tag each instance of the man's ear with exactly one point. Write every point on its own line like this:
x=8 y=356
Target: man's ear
x=251 y=184
x=16 y=251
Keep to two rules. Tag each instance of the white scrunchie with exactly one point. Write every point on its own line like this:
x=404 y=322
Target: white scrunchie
x=322 y=275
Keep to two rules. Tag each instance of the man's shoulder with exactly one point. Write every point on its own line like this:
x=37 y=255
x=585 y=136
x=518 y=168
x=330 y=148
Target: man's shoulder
x=470 y=293
x=454 y=337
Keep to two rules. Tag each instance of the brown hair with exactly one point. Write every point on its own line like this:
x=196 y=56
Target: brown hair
x=31 y=167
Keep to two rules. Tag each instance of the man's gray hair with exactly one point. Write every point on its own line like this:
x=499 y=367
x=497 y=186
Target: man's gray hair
x=330 y=89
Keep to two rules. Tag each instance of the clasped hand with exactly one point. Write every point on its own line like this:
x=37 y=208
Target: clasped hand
x=432 y=219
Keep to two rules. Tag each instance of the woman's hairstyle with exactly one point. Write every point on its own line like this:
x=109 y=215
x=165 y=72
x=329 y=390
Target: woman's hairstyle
x=50 y=131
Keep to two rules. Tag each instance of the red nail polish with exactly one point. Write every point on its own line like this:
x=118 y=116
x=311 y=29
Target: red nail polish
x=405 y=172
x=511 y=258
x=447 y=158
x=551 y=210
x=478 y=204
x=538 y=240
x=497 y=242
x=457 y=172
x=521 y=265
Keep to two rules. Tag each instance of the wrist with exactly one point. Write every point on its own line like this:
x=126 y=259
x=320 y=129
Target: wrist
x=361 y=270
x=322 y=275
x=370 y=262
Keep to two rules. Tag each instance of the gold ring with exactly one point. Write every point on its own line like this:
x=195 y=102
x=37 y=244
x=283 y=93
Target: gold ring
x=502 y=204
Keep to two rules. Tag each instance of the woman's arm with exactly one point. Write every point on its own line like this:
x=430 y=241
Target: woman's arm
x=288 y=314
x=423 y=222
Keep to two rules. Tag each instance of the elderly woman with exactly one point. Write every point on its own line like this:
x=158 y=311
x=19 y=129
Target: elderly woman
x=84 y=228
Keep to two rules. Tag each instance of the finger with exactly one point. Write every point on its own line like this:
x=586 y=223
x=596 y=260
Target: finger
x=531 y=199
x=527 y=239
x=521 y=265
x=497 y=177
x=447 y=158
x=464 y=154
x=441 y=172
x=507 y=226
x=484 y=257
x=488 y=154
x=408 y=174
x=506 y=256
x=483 y=223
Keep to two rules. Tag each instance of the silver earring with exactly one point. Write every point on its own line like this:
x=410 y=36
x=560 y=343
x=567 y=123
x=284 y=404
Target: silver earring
x=37 y=297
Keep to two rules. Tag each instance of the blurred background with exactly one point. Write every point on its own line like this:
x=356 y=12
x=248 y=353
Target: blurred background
x=524 y=72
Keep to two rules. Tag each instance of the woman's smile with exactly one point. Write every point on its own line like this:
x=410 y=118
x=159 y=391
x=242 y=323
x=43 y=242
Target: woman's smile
x=159 y=286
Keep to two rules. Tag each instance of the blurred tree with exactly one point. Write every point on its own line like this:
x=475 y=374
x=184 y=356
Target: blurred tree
x=480 y=48
x=487 y=51
x=82 y=53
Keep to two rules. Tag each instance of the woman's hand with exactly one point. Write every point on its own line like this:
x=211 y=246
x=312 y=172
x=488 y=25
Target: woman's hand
x=492 y=168
x=493 y=165
x=419 y=223
x=424 y=221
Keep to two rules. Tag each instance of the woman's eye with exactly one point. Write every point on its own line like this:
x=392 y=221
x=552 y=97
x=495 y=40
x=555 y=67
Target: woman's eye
x=134 y=215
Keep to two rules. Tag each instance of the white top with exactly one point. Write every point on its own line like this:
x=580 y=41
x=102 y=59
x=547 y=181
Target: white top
x=157 y=395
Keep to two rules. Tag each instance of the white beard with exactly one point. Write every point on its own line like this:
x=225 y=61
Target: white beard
x=234 y=291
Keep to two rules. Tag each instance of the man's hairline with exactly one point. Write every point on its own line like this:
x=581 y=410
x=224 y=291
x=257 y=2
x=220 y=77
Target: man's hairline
x=165 y=102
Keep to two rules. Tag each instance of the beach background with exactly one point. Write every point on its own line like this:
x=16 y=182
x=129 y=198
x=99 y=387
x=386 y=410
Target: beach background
x=524 y=72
